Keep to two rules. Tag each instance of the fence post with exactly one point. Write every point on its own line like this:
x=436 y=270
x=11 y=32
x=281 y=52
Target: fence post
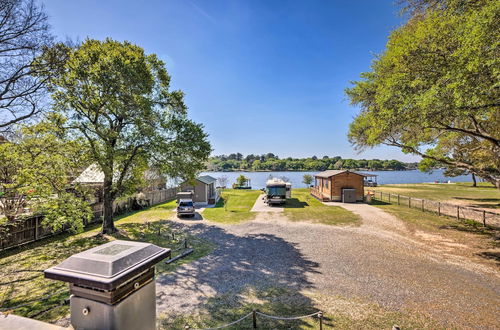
x=422 y=205
x=458 y=212
x=409 y=202
x=389 y=197
x=254 y=319
x=484 y=218
x=398 y=199
x=320 y=316
x=36 y=228
x=439 y=208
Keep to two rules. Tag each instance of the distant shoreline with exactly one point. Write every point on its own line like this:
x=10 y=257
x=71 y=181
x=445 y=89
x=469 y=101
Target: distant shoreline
x=271 y=171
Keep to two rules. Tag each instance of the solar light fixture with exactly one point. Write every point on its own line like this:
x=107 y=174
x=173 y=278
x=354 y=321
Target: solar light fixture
x=112 y=286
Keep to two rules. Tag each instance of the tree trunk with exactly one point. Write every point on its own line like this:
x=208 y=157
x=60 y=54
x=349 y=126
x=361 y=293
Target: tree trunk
x=474 y=182
x=108 y=226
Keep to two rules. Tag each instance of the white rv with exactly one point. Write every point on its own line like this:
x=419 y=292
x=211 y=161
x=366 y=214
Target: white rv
x=277 y=191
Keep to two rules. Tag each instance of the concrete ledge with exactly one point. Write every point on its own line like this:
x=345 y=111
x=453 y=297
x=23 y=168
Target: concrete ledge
x=10 y=322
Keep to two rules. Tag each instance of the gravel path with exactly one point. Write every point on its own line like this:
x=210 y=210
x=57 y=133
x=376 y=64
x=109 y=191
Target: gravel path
x=376 y=261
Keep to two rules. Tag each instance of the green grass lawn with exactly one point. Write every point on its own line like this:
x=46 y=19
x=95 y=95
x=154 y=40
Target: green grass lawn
x=304 y=207
x=234 y=206
x=484 y=195
x=467 y=232
x=23 y=283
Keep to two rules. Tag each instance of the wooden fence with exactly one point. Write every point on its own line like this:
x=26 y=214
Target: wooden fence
x=440 y=208
x=31 y=228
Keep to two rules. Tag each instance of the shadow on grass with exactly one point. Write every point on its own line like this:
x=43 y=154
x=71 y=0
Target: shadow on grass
x=472 y=227
x=295 y=203
x=260 y=271
x=482 y=202
x=47 y=241
x=490 y=255
x=378 y=202
x=196 y=217
x=24 y=290
x=274 y=301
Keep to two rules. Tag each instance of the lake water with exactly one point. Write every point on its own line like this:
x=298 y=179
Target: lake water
x=258 y=179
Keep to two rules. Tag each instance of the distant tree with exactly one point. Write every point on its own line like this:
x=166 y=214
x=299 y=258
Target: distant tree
x=325 y=157
x=362 y=163
x=375 y=164
x=241 y=181
x=256 y=165
x=117 y=99
x=222 y=181
x=314 y=158
x=24 y=34
x=434 y=90
x=338 y=164
x=307 y=179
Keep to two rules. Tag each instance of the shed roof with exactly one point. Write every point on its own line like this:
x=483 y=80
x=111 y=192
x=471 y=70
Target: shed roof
x=330 y=173
x=91 y=174
x=206 y=179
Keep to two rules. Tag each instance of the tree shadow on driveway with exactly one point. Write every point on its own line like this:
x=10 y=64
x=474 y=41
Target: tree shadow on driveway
x=259 y=262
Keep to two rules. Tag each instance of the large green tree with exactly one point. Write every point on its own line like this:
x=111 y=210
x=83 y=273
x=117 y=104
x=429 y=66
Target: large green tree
x=435 y=90
x=117 y=98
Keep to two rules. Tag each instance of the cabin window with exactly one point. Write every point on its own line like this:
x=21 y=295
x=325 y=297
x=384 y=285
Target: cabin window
x=326 y=184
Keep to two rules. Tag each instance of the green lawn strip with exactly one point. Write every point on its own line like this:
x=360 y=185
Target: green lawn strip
x=279 y=301
x=462 y=230
x=22 y=281
x=234 y=206
x=304 y=207
x=484 y=195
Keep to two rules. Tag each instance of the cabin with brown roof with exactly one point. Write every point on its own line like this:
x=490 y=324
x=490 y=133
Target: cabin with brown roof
x=338 y=186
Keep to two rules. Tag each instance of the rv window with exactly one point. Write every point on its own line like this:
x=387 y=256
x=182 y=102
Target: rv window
x=185 y=204
x=276 y=191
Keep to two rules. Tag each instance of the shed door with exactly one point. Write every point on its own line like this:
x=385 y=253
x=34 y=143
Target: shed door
x=348 y=195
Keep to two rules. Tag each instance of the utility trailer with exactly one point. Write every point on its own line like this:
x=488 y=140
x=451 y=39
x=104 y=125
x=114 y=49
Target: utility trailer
x=277 y=191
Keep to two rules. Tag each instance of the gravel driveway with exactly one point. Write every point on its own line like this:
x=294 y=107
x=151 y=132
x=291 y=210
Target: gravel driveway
x=376 y=262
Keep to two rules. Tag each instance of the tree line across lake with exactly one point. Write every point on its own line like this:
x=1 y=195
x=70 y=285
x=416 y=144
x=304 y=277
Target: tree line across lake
x=271 y=162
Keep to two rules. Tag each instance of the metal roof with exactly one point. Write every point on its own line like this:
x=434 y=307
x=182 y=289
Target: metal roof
x=206 y=179
x=91 y=174
x=330 y=173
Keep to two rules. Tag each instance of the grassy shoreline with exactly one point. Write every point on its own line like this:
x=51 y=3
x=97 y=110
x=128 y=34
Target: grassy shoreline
x=485 y=195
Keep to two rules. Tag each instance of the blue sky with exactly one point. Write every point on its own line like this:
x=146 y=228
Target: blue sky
x=261 y=75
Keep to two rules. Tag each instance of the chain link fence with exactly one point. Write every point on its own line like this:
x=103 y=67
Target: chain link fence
x=453 y=210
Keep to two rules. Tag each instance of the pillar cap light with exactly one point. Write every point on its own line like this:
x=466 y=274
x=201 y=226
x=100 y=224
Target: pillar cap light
x=109 y=265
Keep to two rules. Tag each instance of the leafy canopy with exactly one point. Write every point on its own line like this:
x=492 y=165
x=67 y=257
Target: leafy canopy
x=435 y=91
x=36 y=169
x=117 y=99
